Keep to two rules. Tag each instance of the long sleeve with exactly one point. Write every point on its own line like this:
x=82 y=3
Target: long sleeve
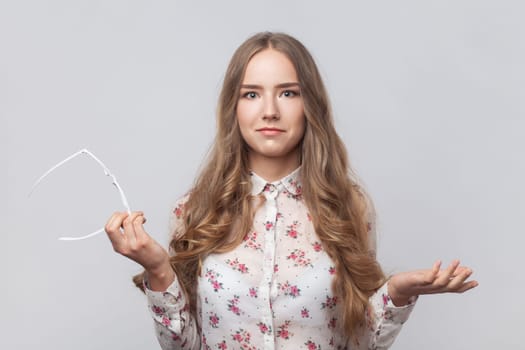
x=175 y=327
x=385 y=320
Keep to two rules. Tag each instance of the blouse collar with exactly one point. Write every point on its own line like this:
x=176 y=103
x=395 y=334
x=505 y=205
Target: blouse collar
x=291 y=182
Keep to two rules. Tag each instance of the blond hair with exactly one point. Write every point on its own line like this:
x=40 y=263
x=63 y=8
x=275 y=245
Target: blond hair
x=220 y=198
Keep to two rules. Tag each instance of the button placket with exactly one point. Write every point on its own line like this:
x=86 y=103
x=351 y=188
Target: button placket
x=270 y=192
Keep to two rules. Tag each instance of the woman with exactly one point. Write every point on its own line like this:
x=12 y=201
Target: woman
x=274 y=246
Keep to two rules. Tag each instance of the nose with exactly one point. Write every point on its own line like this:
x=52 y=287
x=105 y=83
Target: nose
x=271 y=110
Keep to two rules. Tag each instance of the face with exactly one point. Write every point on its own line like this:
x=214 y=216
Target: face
x=270 y=108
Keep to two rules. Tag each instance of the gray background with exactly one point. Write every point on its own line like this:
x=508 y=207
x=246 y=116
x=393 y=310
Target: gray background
x=428 y=96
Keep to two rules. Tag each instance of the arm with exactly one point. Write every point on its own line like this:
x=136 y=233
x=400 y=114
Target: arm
x=174 y=325
x=384 y=320
x=391 y=305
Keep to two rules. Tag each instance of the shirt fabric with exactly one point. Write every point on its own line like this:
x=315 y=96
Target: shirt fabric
x=273 y=291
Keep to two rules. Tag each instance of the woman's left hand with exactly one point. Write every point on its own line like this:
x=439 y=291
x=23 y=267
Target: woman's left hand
x=453 y=279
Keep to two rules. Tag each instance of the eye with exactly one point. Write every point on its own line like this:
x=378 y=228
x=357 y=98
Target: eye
x=290 y=93
x=250 y=94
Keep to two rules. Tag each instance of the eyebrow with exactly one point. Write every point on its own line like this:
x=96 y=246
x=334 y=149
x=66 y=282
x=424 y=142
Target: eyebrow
x=279 y=86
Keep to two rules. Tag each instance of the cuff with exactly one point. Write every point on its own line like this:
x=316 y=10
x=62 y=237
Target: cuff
x=172 y=297
x=382 y=301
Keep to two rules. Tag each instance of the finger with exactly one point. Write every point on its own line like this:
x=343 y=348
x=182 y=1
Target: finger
x=458 y=281
x=467 y=286
x=113 y=230
x=114 y=223
x=431 y=275
x=129 y=229
x=138 y=225
x=444 y=277
x=459 y=270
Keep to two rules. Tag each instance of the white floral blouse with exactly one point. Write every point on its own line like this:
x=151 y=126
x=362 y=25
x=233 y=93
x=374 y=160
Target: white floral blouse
x=273 y=291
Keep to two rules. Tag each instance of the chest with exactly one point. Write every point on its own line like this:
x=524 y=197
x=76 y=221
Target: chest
x=280 y=267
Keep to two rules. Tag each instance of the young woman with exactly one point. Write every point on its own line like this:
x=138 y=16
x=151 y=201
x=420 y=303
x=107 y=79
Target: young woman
x=274 y=246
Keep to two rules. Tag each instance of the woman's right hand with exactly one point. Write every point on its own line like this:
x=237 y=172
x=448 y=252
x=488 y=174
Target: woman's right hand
x=128 y=237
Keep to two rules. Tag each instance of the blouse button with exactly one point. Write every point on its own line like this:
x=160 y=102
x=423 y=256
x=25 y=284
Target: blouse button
x=169 y=298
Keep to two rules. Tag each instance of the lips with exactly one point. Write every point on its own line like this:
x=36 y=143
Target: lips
x=270 y=131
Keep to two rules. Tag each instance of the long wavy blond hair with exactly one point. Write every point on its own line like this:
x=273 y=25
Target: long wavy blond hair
x=219 y=209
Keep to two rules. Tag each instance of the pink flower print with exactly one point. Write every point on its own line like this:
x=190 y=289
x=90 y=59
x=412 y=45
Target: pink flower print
x=251 y=241
x=311 y=345
x=276 y=268
x=243 y=338
x=317 y=246
x=222 y=345
x=214 y=320
x=212 y=278
x=290 y=290
x=178 y=210
x=305 y=313
x=264 y=328
x=235 y=309
x=386 y=299
x=279 y=215
x=332 y=323
x=236 y=265
x=268 y=225
x=233 y=305
x=330 y=302
x=295 y=185
x=157 y=310
x=294 y=291
x=331 y=270
x=253 y=292
x=291 y=230
x=388 y=315
x=282 y=331
x=299 y=258
x=166 y=321
x=216 y=285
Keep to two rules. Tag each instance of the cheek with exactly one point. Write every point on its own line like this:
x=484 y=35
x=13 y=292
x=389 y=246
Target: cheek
x=296 y=115
x=246 y=113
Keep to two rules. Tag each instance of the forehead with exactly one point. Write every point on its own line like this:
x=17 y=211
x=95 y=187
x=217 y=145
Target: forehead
x=269 y=66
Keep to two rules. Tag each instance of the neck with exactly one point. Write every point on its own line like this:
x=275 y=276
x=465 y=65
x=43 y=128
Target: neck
x=274 y=168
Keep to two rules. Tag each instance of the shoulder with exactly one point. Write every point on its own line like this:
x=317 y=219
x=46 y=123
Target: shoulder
x=177 y=212
x=177 y=209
